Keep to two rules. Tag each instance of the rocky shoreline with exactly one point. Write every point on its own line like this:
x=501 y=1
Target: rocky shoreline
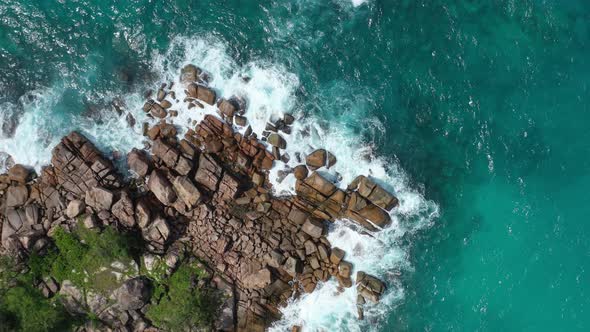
x=206 y=195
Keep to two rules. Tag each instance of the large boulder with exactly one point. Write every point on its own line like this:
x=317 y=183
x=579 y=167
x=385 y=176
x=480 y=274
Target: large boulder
x=16 y=196
x=189 y=74
x=369 y=286
x=99 y=198
x=161 y=187
x=277 y=140
x=316 y=159
x=19 y=173
x=133 y=294
x=124 y=211
x=258 y=280
x=313 y=228
x=187 y=191
x=138 y=162
x=374 y=193
x=75 y=208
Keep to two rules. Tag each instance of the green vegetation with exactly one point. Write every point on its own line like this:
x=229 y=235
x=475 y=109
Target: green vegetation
x=179 y=305
x=86 y=257
x=22 y=307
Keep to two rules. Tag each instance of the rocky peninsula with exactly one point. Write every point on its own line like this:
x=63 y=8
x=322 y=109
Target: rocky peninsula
x=203 y=199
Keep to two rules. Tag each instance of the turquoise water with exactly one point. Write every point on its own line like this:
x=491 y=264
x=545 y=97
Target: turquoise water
x=484 y=105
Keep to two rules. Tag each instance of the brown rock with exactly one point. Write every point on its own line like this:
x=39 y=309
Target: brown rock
x=138 y=162
x=166 y=104
x=241 y=121
x=19 y=173
x=277 y=140
x=16 y=196
x=206 y=94
x=316 y=159
x=337 y=255
x=161 y=187
x=258 y=280
x=99 y=198
x=300 y=172
x=124 y=211
x=75 y=208
x=313 y=228
x=344 y=269
x=187 y=191
x=374 y=193
x=292 y=266
x=227 y=108
x=189 y=74
x=142 y=213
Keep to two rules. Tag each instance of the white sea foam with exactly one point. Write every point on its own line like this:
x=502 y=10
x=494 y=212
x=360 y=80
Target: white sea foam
x=270 y=93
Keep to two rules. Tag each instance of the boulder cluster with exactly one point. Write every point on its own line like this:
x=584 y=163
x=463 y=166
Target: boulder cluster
x=207 y=192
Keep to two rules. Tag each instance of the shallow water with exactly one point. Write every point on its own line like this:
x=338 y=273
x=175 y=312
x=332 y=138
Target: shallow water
x=475 y=113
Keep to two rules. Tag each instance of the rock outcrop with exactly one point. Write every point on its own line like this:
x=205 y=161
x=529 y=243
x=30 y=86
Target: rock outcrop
x=208 y=192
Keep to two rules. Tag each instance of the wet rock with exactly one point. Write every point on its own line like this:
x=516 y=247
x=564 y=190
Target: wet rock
x=241 y=121
x=161 y=187
x=300 y=172
x=337 y=255
x=277 y=140
x=189 y=74
x=166 y=104
x=374 y=193
x=316 y=159
x=344 y=269
x=369 y=286
x=206 y=94
x=227 y=108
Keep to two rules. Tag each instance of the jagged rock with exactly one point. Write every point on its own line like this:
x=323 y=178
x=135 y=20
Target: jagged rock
x=133 y=294
x=258 y=280
x=159 y=231
x=227 y=108
x=344 y=269
x=16 y=196
x=275 y=259
x=142 y=214
x=138 y=162
x=161 y=187
x=158 y=111
x=313 y=228
x=277 y=140
x=72 y=298
x=189 y=74
x=316 y=159
x=205 y=94
x=331 y=159
x=90 y=221
x=310 y=247
x=300 y=172
x=75 y=208
x=292 y=266
x=19 y=173
x=374 y=193
x=369 y=286
x=99 y=198
x=187 y=191
x=209 y=172
x=241 y=121
x=124 y=211
x=337 y=255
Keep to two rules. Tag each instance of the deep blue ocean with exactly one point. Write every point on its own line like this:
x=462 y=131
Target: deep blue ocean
x=476 y=113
